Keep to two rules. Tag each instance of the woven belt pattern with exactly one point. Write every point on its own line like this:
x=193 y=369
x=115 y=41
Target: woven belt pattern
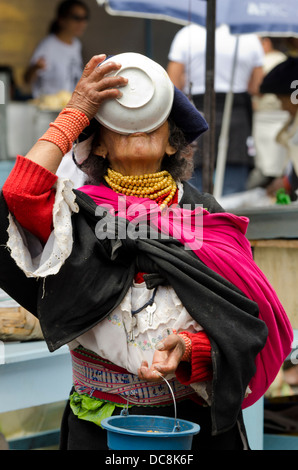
x=99 y=378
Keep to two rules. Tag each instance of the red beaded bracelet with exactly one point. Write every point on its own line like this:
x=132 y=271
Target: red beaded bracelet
x=188 y=346
x=66 y=129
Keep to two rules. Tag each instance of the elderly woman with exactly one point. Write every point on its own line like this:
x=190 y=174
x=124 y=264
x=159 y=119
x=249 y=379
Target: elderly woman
x=109 y=271
x=57 y=64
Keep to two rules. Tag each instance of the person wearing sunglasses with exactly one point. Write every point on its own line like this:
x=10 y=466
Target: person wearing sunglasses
x=57 y=63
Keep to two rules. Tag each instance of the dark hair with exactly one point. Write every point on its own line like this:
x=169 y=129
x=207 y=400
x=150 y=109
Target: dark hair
x=63 y=11
x=179 y=165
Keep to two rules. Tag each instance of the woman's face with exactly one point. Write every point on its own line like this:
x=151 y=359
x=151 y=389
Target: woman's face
x=136 y=153
x=76 y=22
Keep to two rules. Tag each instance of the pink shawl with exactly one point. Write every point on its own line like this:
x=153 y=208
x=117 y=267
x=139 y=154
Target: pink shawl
x=220 y=243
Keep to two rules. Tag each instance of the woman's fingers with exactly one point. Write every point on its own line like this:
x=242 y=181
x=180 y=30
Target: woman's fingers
x=97 y=72
x=88 y=99
x=148 y=374
x=173 y=343
x=92 y=64
x=96 y=86
x=172 y=347
x=165 y=360
x=102 y=79
x=108 y=83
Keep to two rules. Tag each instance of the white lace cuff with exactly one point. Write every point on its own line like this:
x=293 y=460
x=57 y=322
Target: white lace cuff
x=27 y=251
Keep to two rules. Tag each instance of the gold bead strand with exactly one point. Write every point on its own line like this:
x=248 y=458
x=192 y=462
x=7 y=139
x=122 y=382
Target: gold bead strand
x=152 y=185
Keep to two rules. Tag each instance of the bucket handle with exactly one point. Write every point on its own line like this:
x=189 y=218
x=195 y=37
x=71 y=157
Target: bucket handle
x=176 y=428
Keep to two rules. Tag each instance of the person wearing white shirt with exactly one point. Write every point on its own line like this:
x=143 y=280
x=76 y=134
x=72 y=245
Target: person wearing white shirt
x=186 y=68
x=268 y=120
x=57 y=62
x=282 y=81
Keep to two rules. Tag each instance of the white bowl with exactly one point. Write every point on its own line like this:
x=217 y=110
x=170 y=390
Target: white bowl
x=146 y=100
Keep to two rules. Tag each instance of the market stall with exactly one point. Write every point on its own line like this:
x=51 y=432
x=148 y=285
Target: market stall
x=273 y=234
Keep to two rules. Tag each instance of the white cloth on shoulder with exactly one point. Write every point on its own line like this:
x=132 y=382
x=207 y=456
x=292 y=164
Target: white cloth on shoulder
x=123 y=338
x=27 y=251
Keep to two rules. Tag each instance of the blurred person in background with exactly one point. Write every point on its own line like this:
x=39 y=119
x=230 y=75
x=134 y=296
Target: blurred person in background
x=268 y=119
x=186 y=68
x=57 y=61
x=283 y=82
x=291 y=46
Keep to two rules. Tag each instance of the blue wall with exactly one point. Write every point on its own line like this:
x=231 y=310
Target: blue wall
x=5 y=168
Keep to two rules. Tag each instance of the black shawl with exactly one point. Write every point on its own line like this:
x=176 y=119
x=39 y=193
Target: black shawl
x=97 y=274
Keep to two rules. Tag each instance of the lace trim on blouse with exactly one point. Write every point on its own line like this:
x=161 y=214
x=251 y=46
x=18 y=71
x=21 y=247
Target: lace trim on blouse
x=27 y=251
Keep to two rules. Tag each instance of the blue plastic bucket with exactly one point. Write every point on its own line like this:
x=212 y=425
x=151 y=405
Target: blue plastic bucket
x=141 y=432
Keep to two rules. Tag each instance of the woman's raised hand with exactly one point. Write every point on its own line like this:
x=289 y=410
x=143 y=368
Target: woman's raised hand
x=94 y=86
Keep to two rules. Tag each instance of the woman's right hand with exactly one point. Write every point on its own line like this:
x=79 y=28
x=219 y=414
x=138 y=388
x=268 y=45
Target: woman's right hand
x=94 y=87
x=165 y=360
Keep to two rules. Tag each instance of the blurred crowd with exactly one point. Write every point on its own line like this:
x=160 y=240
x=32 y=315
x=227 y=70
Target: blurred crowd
x=261 y=140
x=258 y=142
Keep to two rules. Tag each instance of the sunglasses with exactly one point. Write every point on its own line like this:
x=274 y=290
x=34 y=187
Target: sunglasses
x=78 y=18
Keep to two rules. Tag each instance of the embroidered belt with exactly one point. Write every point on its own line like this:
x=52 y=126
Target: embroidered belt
x=101 y=379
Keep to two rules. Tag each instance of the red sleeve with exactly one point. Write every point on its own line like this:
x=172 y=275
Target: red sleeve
x=30 y=196
x=199 y=369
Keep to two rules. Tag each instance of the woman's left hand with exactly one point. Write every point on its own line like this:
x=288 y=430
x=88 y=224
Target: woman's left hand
x=165 y=360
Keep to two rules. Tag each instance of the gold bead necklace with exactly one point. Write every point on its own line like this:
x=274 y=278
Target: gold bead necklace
x=153 y=185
